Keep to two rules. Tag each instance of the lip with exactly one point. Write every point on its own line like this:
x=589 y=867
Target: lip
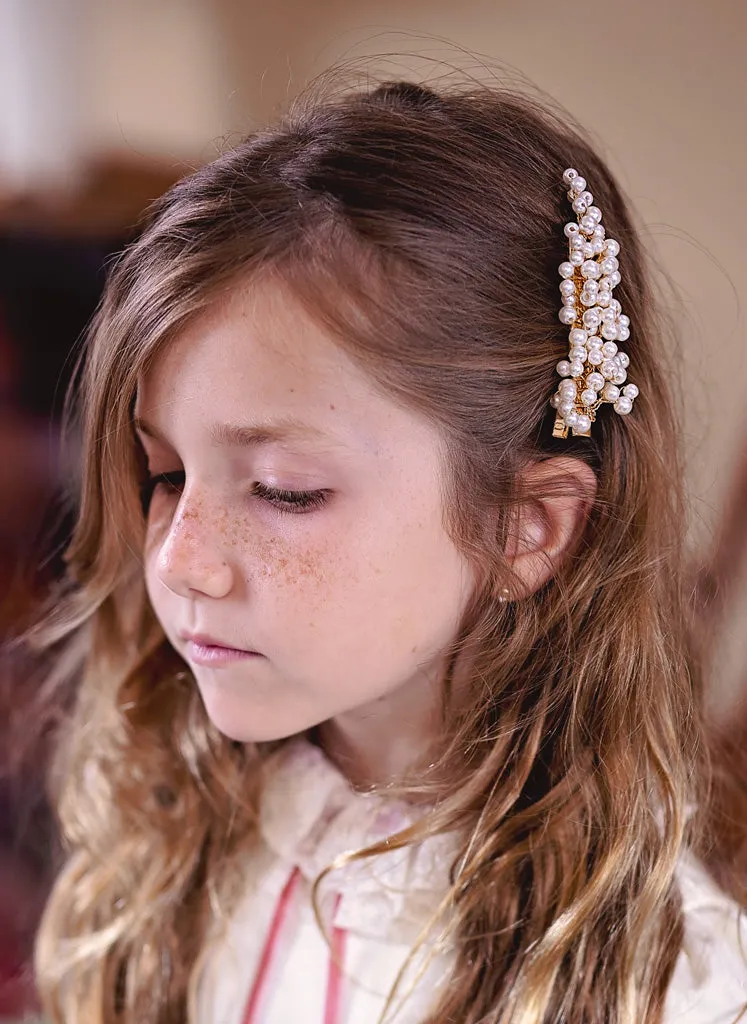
x=203 y=649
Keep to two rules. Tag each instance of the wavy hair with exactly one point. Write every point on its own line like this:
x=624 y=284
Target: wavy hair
x=423 y=228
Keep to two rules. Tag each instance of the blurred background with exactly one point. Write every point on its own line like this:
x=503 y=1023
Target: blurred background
x=104 y=103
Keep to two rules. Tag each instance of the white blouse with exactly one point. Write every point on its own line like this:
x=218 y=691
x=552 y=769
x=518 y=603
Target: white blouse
x=375 y=909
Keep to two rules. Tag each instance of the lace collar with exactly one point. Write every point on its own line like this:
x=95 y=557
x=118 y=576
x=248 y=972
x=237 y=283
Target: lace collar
x=309 y=816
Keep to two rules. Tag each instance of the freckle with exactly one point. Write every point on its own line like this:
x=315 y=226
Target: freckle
x=331 y=406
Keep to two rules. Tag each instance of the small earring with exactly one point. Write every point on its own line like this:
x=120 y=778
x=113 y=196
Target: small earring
x=503 y=595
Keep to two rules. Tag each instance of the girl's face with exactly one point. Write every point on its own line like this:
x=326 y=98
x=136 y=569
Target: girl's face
x=295 y=553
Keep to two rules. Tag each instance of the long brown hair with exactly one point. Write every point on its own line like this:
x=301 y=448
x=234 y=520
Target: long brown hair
x=424 y=229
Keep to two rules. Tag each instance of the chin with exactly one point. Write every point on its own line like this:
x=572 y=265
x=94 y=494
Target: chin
x=247 y=725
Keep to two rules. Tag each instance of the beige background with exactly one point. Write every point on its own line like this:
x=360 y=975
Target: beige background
x=661 y=84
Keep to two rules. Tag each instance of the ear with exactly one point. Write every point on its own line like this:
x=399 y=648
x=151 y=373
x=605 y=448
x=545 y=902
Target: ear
x=546 y=527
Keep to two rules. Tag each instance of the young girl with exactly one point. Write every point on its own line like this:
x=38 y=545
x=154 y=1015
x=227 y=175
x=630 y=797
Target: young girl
x=388 y=697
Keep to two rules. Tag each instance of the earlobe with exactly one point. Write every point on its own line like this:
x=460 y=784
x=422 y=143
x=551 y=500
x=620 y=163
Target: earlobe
x=559 y=495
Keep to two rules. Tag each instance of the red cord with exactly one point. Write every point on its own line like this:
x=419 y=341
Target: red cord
x=250 y=1013
x=334 y=974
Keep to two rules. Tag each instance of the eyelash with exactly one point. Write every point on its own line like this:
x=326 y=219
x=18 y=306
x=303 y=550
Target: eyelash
x=300 y=502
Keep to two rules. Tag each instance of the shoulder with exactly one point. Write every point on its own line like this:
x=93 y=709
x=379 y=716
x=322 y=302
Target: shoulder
x=709 y=985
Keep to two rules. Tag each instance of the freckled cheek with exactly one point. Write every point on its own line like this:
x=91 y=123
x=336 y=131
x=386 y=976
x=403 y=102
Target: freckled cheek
x=293 y=570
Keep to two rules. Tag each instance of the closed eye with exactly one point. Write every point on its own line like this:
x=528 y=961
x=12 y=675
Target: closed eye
x=293 y=502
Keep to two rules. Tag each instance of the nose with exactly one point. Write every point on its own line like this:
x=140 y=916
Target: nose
x=190 y=560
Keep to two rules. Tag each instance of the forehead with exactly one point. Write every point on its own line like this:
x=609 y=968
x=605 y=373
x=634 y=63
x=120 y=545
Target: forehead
x=256 y=356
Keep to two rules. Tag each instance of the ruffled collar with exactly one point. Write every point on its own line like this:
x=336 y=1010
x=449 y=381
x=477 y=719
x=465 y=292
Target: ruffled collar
x=309 y=816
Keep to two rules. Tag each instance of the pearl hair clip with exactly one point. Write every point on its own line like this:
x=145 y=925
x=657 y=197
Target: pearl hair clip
x=595 y=368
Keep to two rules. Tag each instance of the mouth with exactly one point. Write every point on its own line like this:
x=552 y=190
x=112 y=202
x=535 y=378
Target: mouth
x=207 y=650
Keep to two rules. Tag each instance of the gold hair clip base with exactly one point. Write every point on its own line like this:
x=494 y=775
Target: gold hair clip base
x=561 y=428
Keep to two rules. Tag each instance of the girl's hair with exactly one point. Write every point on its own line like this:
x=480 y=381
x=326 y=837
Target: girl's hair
x=424 y=229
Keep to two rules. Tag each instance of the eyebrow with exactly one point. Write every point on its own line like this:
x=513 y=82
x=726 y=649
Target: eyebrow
x=253 y=436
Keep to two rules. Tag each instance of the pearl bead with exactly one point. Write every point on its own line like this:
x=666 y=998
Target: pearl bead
x=569 y=300
x=591 y=318
x=595 y=380
x=624 y=321
x=565 y=406
x=594 y=212
x=623 y=405
x=571 y=229
x=595 y=357
x=577 y=241
x=623 y=359
x=612 y=247
x=615 y=304
x=608 y=368
x=620 y=377
x=609 y=349
x=564 y=368
x=615 y=278
x=588 y=396
x=566 y=270
x=567 y=288
x=587 y=250
x=569 y=174
x=603 y=299
x=571 y=418
x=599 y=232
x=567 y=315
x=623 y=333
x=576 y=258
x=597 y=246
x=583 y=423
x=555 y=400
x=579 y=184
x=631 y=391
x=567 y=387
x=588 y=298
x=609 y=265
x=579 y=205
x=587 y=196
x=577 y=352
x=587 y=224
x=590 y=269
x=609 y=331
x=577 y=368
x=611 y=392
x=578 y=336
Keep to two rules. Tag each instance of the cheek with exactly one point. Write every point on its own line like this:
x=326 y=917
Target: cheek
x=289 y=566
x=306 y=581
x=397 y=586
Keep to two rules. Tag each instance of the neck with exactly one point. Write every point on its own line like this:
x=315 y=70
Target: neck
x=385 y=741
